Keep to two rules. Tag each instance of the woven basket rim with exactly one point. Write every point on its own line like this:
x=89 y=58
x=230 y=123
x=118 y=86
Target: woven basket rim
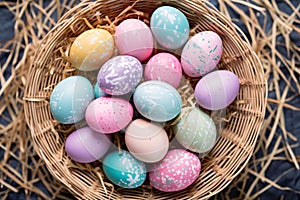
x=48 y=143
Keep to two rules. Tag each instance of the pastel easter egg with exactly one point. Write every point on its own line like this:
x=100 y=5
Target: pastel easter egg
x=91 y=49
x=147 y=141
x=122 y=169
x=170 y=27
x=98 y=91
x=133 y=37
x=178 y=170
x=195 y=130
x=108 y=115
x=85 y=145
x=157 y=101
x=120 y=75
x=201 y=54
x=217 y=90
x=164 y=67
x=69 y=99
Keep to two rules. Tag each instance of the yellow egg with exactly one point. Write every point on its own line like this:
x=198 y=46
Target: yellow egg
x=91 y=49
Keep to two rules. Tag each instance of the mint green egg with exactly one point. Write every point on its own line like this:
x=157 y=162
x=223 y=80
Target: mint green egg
x=157 y=101
x=122 y=169
x=70 y=98
x=196 y=131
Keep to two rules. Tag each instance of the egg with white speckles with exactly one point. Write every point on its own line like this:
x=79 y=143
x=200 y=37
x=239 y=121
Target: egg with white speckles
x=91 y=49
x=217 y=90
x=85 y=145
x=164 y=67
x=195 y=130
x=178 y=170
x=122 y=169
x=120 y=75
x=157 y=101
x=108 y=115
x=170 y=27
x=201 y=53
x=133 y=37
x=147 y=141
x=70 y=98
x=98 y=91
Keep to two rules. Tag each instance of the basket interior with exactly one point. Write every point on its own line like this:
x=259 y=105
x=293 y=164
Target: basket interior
x=219 y=167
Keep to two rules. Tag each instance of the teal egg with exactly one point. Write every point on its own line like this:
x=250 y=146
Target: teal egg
x=70 y=98
x=157 y=101
x=196 y=130
x=170 y=27
x=98 y=91
x=122 y=169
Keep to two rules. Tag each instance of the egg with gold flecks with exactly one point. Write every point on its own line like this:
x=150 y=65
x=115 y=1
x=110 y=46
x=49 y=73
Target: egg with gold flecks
x=122 y=169
x=91 y=49
x=176 y=171
x=195 y=130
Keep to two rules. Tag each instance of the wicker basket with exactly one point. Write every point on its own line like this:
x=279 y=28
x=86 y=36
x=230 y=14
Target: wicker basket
x=86 y=181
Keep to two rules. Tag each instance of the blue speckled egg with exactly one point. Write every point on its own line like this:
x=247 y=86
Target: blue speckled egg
x=98 y=92
x=157 y=101
x=122 y=169
x=170 y=27
x=69 y=99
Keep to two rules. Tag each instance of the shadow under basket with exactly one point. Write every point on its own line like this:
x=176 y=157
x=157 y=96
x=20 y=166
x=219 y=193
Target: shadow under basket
x=87 y=181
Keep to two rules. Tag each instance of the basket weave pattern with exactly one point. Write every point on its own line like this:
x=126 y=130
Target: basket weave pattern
x=87 y=181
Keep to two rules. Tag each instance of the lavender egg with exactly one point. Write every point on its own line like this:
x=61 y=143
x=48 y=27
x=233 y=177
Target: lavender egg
x=217 y=89
x=120 y=75
x=85 y=145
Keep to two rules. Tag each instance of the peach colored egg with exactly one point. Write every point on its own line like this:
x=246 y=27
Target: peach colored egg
x=178 y=170
x=147 y=141
x=108 y=115
x=164 y=67
x=134 y=38
x=91 y=49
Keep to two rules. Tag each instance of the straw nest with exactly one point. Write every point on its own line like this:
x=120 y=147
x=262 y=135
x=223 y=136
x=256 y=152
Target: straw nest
x=87 y=181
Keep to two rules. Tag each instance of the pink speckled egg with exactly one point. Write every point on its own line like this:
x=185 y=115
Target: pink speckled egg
x=147 y=141
x=178 y=170
x=108 y=115
x=217 y=89
x=164 y=67
x=85 y=145
x=133 y=37
x=201 y=53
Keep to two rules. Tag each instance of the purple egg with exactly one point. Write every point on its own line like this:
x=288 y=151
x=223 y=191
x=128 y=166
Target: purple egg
x=120 y=75
x=85 y=145
x=217 y=89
